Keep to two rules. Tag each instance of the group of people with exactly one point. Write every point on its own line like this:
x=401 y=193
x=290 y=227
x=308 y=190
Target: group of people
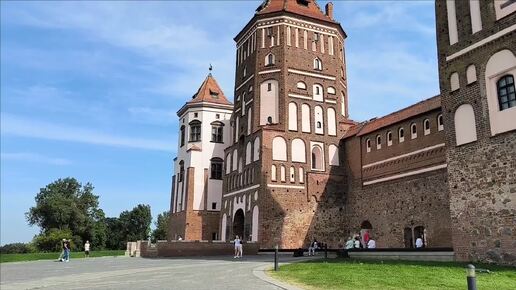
x=354 y=242
x=66 y=248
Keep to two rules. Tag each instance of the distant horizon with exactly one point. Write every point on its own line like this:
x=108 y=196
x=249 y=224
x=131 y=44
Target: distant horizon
x=90 y=90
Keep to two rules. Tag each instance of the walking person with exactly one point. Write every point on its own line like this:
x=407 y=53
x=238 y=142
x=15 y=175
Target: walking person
x=238 y=247
x=61 y=256
x=87 y=249
x=66 y=257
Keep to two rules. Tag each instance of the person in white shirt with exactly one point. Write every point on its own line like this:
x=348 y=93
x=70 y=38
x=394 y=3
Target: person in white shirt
x=371 y=244
x=313 y=246
x=238 y=247
x=419 y=242
x=87 y=249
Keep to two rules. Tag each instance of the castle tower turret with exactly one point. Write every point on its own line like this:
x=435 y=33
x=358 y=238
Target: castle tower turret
x=290 y=99
x=197 y=180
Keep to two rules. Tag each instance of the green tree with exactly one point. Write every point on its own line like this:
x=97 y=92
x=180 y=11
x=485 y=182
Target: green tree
x=161 y=231
x=50 y=241
x=136 y=223
x=115 y=234
x=66 y=204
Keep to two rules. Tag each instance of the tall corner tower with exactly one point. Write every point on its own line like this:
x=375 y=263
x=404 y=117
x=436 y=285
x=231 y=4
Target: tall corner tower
x=283 y=183
x=477 y=66
x=204 y=134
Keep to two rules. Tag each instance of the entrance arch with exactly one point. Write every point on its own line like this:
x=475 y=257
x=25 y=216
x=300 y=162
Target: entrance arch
x=238 y=224
x=365 y=227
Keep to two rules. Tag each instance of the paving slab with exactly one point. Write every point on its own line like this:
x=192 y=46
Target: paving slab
x=139 y=273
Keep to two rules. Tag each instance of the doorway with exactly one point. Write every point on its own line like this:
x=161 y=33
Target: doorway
x=238 y=224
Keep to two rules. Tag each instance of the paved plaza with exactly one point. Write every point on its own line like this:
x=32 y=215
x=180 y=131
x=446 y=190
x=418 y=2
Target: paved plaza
x=140 y=273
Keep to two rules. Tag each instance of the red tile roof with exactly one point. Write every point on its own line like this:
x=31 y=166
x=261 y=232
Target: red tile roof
x=293 y=6
x=393 y=118
x=210 y=92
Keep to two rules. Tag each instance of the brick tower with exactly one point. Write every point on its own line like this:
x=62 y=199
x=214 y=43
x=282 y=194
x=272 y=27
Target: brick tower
x=477 y=66
x=283 y=182
x=198 y=167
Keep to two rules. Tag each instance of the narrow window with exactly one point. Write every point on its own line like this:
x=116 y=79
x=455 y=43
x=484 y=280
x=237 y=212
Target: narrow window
x=413 y=131
x=426 y=124
x=440 y=124
x=181 y=176
x=506 y=92
x=182 y=136
x=216 y=168
x=401 y=135
x=389 y=138
x=317 y=64
x=301 y=173
x=217 y=132
x=368 y=145
x=269 y=87
x=378 y=142
x=214 y=206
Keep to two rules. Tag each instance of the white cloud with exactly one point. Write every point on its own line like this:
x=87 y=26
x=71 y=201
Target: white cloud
x=17 y=126
x=34 y=157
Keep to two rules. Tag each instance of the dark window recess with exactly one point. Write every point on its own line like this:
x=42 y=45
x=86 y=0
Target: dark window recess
x=269 y=120
x=216 y=168
x=213 y=205
x=182 y=136
x=181 y=176
x=402 y=133
x=506 y=92
x=389 y=137
x=217 y=116
x=414 y=129
x=269 y=87
x=195 y=131
x=217 y=134
x=319 y=125
x=427 y=125
x=196 y=115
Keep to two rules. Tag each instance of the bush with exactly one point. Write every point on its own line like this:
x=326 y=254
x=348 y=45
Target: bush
x=51 y=240
x=17 y=248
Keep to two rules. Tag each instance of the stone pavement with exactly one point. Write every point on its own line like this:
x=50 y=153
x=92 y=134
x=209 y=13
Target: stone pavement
x=139 y=273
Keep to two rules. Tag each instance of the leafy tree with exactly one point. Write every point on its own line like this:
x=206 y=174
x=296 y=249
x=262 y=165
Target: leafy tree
x=115 y=239
x=136 y=222
x=50 y=241
x=66 y=204
x=17 y=248
x=161 y=231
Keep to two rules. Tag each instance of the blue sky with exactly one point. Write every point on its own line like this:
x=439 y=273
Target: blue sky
x=90 y=89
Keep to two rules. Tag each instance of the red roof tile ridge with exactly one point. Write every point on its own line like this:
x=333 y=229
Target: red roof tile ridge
x=210 y=92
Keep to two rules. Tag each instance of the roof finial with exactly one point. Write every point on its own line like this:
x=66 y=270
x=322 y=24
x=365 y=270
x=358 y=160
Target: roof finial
x=210 y=68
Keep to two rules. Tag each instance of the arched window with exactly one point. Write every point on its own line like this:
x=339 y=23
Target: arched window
x=279 y=149
x=317 y=158
x=319 y=120
x=256 y=151
x=235 y=159
x=506 y=92
x=269 y=102
x=216 y=168
x=182 y=136
x=331 y=90
x=292 y=174
x=332 y=122
x=401 y=135
x=181 y=175
x=440 y=124
x=248 y=152
x=240 y=165
x=298 y=150
x=301 y=173
x=318 y=93
x=333 y=155
x=305 y=118
x=317 y=64
x=228 y=163
x=465 y=126
x=249 y=120
x=301 y=85
x=426 y=125
x=283 y=173
x=454 y=82
x=217 y=132
x=342 y=104
x=471 y=74
x=292 y=116
x=368 y=145
x=269 y=59
x=378 y=142
x=273 y=172
x=389 y=138
x=413 y=131
x=195 y=131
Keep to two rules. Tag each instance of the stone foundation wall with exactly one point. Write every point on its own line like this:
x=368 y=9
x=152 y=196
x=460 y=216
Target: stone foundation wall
x=392 y=206
x=194 y=248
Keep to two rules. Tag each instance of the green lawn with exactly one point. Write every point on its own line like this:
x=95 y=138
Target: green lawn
x=53 y=256
x=352 y=274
